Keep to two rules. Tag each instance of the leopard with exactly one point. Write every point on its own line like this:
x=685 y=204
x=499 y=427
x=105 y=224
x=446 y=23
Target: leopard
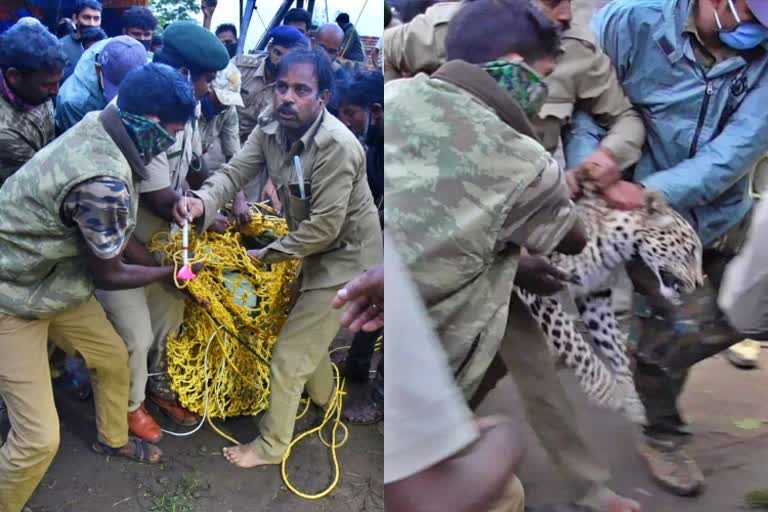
x=668 y=247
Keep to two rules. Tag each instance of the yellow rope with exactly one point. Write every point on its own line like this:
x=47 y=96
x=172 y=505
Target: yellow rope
x=333 y=416
x=244 y=334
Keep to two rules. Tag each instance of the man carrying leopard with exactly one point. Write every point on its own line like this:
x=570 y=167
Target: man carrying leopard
x=583 y=77
x=696 y=71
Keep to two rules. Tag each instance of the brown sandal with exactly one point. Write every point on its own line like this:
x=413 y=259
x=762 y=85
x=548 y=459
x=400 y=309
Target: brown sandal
x=142 y=450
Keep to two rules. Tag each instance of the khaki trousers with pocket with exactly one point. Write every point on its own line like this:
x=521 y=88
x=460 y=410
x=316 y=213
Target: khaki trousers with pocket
x=25 y=386
x=143 y=317
x=300 y=357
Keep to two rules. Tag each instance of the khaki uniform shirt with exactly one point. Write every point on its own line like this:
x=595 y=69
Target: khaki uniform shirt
x=335 y=230
x=22 y=134
x=256 y=91
x=418 y=46
x=225 y=128
x=584 y=79
x=169 y=169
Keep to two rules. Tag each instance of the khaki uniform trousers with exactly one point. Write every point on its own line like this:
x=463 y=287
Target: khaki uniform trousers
x=300 y=357
x=143 y=317
x=25 y=385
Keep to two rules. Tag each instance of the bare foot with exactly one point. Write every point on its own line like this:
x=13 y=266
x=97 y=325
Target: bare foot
x=245 y=456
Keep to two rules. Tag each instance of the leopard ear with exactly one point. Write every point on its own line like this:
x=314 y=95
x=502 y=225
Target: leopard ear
x=655 y=204
x=658 y=213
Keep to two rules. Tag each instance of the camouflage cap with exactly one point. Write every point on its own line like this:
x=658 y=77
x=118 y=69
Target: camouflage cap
x=227 y=86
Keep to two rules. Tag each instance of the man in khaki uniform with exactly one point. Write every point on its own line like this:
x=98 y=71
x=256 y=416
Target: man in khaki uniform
x=145 y=316
x=583 y=79
x=258 y=75
x=419 y=46
x=219 y=121
x=334 y=231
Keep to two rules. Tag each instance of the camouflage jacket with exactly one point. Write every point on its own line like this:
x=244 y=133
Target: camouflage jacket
x=43 y=261
x=256 y=91
x=454 y=172
x=22 y=134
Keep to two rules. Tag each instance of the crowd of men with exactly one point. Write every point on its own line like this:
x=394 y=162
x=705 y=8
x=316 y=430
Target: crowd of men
x=107 y=141
x=652 y=97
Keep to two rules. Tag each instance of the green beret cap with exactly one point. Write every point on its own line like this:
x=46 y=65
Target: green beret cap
x=195 y=46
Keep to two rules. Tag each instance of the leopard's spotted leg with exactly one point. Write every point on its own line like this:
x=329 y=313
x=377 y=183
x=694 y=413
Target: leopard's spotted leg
x=596 y=310
x=566 y=342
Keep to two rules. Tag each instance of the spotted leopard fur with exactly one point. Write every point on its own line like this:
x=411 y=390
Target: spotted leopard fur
x=667 y=245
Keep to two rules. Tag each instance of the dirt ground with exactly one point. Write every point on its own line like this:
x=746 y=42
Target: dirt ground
x=196 y=478
x=728 y=413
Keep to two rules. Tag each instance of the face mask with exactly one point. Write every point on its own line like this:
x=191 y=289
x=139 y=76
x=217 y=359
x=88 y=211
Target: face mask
x=272 y=68
x=745 y=36
x=208 y=109
x=147 y=43
x=150 y=138
x=525 y=85
x=231 y=49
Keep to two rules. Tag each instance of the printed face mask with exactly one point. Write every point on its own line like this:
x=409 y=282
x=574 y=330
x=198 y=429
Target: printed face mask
x=150 y=138
x=521 y=81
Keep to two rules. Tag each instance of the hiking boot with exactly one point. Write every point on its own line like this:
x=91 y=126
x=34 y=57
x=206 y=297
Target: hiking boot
x=744 y=355
x=671 y=466
x=144 y=426
x=173 y=409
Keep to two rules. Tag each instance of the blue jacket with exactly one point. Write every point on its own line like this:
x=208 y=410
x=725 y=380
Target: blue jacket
x=705 y=128
x=81 y=92
x=73 y=50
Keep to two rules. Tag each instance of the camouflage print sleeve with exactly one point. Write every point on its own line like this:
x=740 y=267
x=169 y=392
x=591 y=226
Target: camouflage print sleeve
x=101 y=208
x=543 y=215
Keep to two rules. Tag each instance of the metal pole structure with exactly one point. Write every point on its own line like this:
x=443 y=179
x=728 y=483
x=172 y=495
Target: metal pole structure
x=311 y=7
x=274 y=23
x=241 y=16
x=300 y=4
x=250 y=5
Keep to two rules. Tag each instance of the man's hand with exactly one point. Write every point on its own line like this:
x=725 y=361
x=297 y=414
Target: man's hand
x=365 y=298
x=257 y=256
x=188 y=208
x=601 y=167
x=240 y=210
x=219 y=224
x=270 y=192
x=208 y=7
x=625 y=195
x=537 y=275
x=485 y=423
x=572 y=179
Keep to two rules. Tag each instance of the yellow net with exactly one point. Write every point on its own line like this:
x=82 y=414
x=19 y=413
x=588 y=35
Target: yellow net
x=220 y=359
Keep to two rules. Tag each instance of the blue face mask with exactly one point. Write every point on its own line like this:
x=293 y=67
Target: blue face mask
x=207 y=108
x=745 y=36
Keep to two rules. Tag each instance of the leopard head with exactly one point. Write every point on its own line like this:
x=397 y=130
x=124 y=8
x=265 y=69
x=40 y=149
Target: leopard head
x=669 y=247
